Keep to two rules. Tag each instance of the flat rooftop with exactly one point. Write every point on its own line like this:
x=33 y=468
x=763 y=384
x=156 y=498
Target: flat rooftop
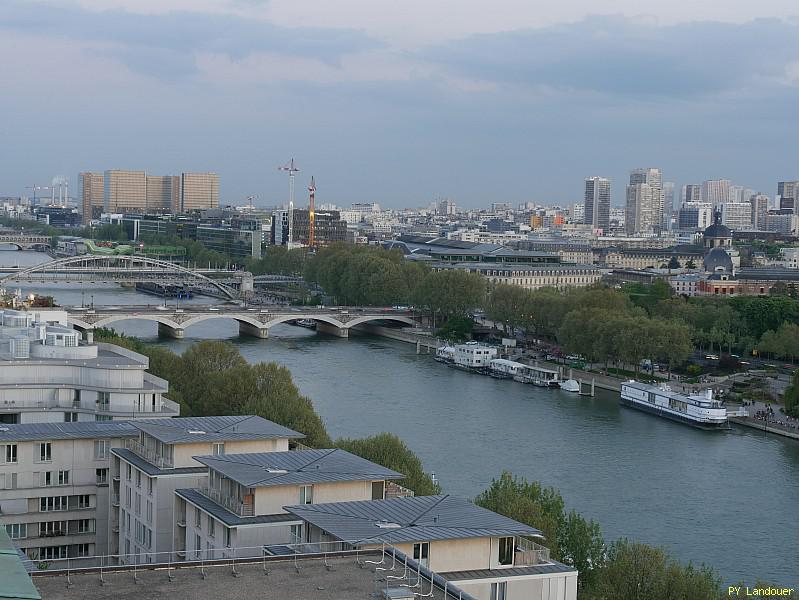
x=345 y=581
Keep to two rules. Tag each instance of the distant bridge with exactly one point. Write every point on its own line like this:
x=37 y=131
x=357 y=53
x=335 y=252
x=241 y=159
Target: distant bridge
x=172 y=322
x=134 y=269
x=25 y=242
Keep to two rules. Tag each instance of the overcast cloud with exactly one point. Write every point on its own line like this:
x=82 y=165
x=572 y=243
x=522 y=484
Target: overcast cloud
x=400 y=105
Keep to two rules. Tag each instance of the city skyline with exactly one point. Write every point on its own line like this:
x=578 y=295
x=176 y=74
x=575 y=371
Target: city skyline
x=401 y=109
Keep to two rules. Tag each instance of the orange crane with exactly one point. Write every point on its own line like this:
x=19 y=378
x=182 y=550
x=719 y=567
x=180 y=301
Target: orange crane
x=311 y=214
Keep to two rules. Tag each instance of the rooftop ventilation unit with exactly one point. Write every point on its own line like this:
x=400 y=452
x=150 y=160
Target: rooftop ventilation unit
x=196 y=431
x=270 y=470
x=387 y=525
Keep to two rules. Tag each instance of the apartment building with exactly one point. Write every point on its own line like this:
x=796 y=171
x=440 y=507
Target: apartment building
x=91 y=195
x=54 y=480
x=48 y=374
x=163 y=194
x=161 y=459
x=242 y=504
x=532 y=277
x=486 y=555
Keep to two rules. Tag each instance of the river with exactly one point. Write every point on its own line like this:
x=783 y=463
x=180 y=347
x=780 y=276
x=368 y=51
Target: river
x=726 y=499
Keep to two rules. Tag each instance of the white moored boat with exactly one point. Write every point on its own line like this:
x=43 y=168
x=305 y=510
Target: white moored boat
x=570 y=385
x=445 y=354
x=537 y=376
x=502 y=368
x=703 y=412
x=472 y=356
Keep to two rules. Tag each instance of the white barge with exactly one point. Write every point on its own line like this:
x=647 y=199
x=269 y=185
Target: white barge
x=472 y=356
x=539 y=376
x=703 y=412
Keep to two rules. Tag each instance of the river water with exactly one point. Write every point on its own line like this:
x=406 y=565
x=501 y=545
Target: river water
x=727 y=499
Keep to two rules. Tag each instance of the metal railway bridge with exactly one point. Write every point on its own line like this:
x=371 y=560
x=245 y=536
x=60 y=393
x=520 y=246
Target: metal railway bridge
x=256 y=322
x=130 y=270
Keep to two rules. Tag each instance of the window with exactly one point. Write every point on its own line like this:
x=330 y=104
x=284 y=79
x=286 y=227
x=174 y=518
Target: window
x=149 y=511
x=506 y=547
x=197 y=546
x=227 y=537
x=306 y=494
x=63 y=478
x=82 y=549
x=17 y=531
x=421 y=553
x=102 y=476
x=129 y=473
x=70 y=417
x=52 y=503
x=8 y=453
x=86 y=526
x=103 y=400
x=296 y=534
x=137 y=504
x=52 y=528
x=128 y=497
x=138 y=478
x=52 y=552
x=84 y=501
x=103 y=418
x=218 y=449
x=211 y=527
x=45 y=451
x=198 y=518
x=8 y=481
x=499 y=590
x=101 y=450
x=150 y=486
x=46 y=479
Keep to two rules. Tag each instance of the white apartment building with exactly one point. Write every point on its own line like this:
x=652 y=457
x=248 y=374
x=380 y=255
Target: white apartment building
x=736 y=215
x=161 y=459
x=790 y=257
x=47 y=374
x=242 y=505
x=54 y=480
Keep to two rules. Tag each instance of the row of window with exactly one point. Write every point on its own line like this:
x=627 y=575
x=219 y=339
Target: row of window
x=129 y=471
x=57 y=552
x=44 y=452
x=20 y=531
x=61 y=503
x=9 y=481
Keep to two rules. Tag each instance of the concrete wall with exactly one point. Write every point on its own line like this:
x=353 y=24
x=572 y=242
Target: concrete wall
x=184 y=453
x=558 y=586
x=271 y=500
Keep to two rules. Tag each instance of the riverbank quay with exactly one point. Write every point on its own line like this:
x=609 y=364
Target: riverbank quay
x=766 y=427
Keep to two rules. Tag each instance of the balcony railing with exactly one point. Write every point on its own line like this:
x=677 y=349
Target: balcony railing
x=229 y=502
x=528 y=553
x=148 y=455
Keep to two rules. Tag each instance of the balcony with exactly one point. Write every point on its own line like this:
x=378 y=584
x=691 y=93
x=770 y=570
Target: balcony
x=529 y=554
x=232 y=504
x=114 y=499
x=149 y=455
x=394 y=490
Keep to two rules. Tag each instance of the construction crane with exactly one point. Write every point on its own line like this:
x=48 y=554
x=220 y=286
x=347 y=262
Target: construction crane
x=292 y=170
x=250 y=199
x=311 y=214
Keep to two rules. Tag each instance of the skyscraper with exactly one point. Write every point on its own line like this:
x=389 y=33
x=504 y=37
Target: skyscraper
x=716 y=191
x=788 y=192
x=691 y=192
x=759 y=204
x=199 y=191
x=91 y=195
x=124 y=191
x=641 y=215
x=654 y=212
x=597 y=203
x=668 y=204
x=163 y=193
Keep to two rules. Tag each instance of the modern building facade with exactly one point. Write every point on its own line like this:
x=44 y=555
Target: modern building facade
x=716 y=191
x=597 y=203
x=161 y=459
x=328 y=227
x=48 y=375
x=759 y=204
x=124 y=191
x=641 y=214
x=198 y=191
x=736 y=215
x=788 y=192
x=90 y=190
x=695 y=216
x=163 y=194
x=54 y=481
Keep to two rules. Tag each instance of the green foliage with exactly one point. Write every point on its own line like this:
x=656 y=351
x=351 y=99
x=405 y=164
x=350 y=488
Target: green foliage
x=791 y=396
x=634 y=570
x=279 y=260
x=113 y=233
x=390 y=451
x=783 y=343
x=456 y=329
x=450 y=292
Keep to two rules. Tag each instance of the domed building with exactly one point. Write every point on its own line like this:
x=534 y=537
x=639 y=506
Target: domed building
x=718 y=235
x=721 y=256
x=717 y=260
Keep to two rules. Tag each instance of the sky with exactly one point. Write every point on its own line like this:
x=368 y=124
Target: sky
x=401 y=103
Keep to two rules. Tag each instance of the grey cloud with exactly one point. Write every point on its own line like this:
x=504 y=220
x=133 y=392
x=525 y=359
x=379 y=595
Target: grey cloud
x=153 y=43
x=616 y=55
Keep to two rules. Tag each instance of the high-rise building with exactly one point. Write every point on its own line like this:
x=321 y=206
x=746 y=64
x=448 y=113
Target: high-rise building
x=691 y=192
x=163 y=193
x=788 y=192
x=642 y=215
x=597 y=203
x=654 y=179
x=199 y=191
x=695 y=216
x=328 y=227
x=736 y=215
x=716 y=191
x=759 y=204
x=668 y=204
x=91 y=195
x=124 y=191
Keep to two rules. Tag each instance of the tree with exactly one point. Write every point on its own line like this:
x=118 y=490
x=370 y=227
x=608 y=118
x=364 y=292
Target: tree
x=582 y=546
x=674 y=263
x=388 y=450
x=791 y=396
x=690 y=264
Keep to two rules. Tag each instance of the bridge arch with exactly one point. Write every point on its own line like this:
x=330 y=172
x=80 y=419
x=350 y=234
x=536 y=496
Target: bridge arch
x=139 y=264
x=322 y=318
x=367 y=319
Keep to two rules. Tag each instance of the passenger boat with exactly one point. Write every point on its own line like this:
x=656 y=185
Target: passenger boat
x=307 y=323
x=539 y=376
x=445 y=354
x=702 y=411
x=502 y=368
x=472 y=356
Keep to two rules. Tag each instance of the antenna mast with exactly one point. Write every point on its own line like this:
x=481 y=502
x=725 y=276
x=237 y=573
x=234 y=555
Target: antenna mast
x=291 y=169
x=311 y=214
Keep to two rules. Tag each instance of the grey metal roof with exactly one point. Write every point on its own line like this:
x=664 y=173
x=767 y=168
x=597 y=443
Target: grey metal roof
x=228 y=518
x=66 y=431
x=421 y=518
x=544 y=569
x=296 y=468
x=211 y=429
x=151 y=470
